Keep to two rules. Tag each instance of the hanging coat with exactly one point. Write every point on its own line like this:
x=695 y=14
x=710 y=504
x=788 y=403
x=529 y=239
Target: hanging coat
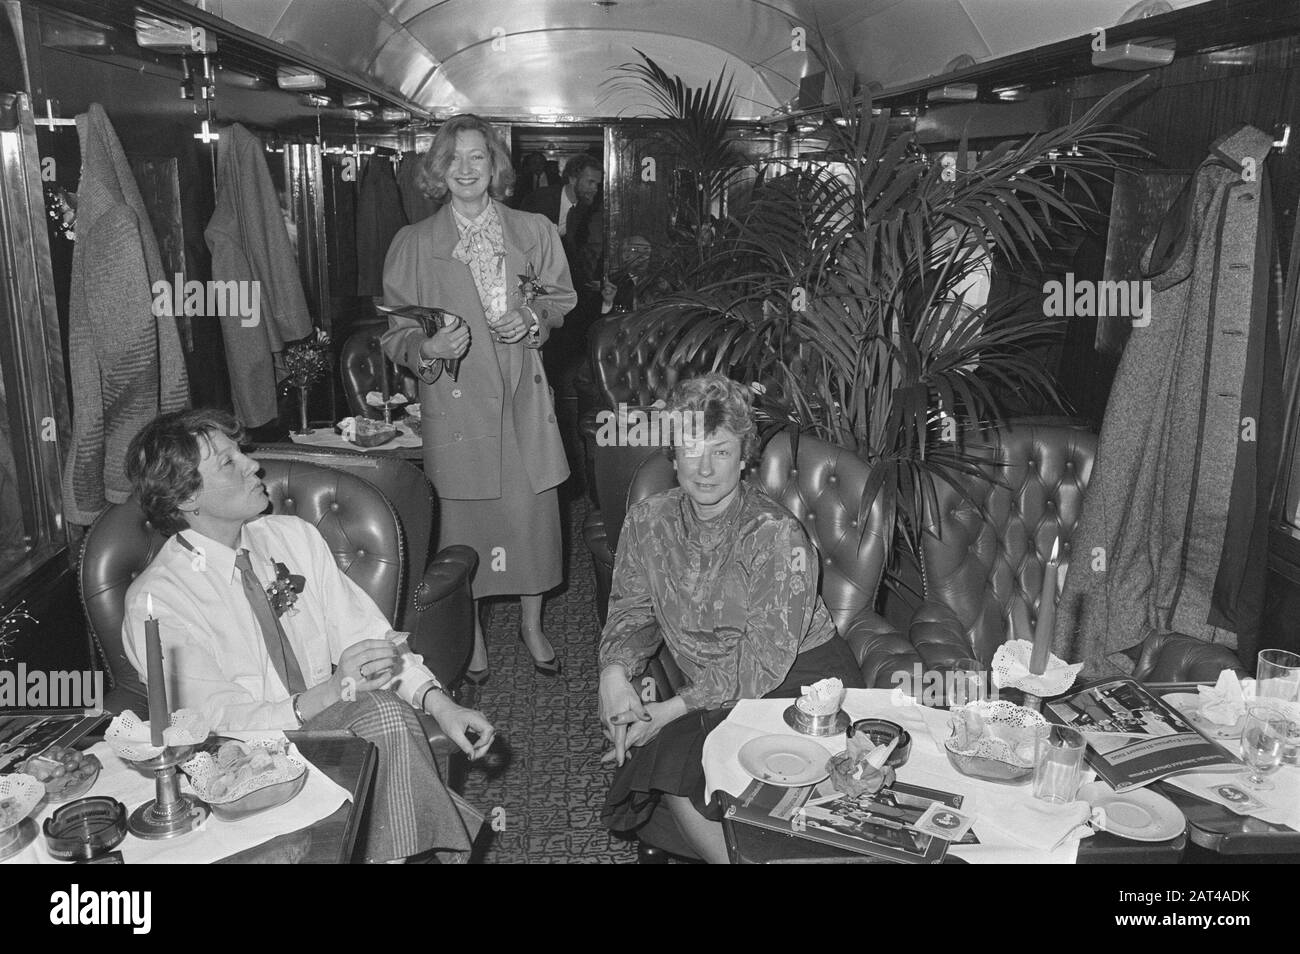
x=379 y=216
x=1173 y=521
x=127 y=365
x=249 y=243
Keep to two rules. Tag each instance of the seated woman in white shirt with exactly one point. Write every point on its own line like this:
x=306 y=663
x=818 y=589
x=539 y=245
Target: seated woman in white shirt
x=250 y=662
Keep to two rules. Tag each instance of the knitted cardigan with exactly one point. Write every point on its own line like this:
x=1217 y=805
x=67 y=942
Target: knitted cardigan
x=127 y=365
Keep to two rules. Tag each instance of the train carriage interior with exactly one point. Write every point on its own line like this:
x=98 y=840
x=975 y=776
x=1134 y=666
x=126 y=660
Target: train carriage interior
x=994 y=300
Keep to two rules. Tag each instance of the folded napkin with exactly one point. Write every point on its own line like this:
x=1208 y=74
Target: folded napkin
x=824 y=697
x=1044 y=826
x=1225 y=702
x=1011 y=668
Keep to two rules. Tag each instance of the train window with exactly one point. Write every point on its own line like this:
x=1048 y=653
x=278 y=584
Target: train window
x=33 y=401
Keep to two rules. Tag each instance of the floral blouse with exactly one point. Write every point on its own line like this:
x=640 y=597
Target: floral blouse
x=735 y=597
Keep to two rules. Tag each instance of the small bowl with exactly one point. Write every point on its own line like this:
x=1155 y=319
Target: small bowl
x=882 y=732
x=259 y=800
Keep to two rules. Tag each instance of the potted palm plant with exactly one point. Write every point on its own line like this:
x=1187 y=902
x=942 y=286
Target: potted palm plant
x=842 y=287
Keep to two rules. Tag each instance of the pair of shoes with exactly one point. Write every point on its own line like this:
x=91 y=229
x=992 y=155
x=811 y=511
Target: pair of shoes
x=548 y=667
x=650 y=855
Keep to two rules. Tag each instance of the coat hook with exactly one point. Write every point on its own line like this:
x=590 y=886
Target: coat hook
x=1280 y=145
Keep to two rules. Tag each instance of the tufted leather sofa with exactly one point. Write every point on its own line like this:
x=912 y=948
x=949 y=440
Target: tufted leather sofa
x=363 y=530
x=823 y=491
x=628 y=368
x=987 y=540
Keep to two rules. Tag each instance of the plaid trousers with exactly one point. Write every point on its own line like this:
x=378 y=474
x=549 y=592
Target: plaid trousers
x=411 y=810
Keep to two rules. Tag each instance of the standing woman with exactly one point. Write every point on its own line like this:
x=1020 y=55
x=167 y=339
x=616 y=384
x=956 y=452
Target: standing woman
x=491 y=444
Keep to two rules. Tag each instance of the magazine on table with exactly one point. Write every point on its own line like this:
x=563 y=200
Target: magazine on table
x=24 y=733
x=880 y=825
x=1135 y=738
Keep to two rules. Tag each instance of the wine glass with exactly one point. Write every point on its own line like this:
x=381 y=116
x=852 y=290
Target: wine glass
x=1263 y=736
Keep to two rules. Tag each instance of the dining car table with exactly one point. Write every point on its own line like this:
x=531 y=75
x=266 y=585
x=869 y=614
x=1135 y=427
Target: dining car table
x=1211 y=832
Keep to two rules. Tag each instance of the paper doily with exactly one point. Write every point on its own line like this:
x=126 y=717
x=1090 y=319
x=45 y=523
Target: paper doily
x=203 y=771
x=1011 y=668
x=19 y=794
x=128 y=737
x=1007 y=730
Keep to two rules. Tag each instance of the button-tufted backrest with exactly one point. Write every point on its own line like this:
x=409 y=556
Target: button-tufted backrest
x=631 y=369
x=988 y=566
x=358 y=523
x=824 y=491
x=359 y=365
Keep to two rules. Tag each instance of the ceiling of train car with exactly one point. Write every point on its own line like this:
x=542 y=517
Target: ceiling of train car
x=553 y=58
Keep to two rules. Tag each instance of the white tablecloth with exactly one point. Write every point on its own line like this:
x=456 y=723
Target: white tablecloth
x=1281 y=804
x=217 y=839
x=995 y=806
x=326 y=437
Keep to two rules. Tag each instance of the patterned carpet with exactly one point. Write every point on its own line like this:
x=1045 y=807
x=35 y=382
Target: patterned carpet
x=544 y=773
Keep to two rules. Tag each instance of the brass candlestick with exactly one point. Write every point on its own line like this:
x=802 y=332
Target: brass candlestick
x=170 y=813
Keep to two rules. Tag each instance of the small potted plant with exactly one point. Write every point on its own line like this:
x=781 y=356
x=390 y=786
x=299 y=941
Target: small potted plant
x=305 y=364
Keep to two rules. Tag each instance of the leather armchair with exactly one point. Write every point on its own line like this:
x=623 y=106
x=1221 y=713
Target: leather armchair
x=986 y=542
x=628 y=369
x=438 y=609
x=823 y=491
x=361 y=526
x=359 y=366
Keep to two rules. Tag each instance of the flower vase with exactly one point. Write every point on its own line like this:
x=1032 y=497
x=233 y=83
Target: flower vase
x=303 y=426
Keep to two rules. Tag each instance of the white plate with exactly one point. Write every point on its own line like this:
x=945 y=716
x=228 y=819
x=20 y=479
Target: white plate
x=785 y=760
x=1140 y=814
x=1189 y=704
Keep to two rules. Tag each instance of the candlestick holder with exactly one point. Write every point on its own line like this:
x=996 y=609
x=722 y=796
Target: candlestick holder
x=170 y=814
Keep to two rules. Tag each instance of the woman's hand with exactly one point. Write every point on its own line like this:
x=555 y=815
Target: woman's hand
x=446 y=344
x=608 y=291
x=641 y=732
x=619 y=705
x=455 y=720
x=365 y=666
x=514 y=325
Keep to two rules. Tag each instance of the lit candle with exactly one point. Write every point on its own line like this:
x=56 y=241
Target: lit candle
x=159 y=717
x=1043 y=628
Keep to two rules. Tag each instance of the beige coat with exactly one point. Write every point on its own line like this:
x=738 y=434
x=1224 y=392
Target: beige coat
x=462 y=420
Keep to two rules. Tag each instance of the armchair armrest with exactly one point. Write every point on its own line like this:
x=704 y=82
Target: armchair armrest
x=451 y=568
x=937 y=635
x=1175 y=657
x=881 y=651
x=442 y=630
x=596 y=535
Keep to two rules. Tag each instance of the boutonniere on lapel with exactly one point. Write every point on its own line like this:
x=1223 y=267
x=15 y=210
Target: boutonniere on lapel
x=529 y=288
x=283 y=592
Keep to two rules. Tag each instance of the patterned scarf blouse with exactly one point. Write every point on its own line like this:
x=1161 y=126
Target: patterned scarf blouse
x=482 y=247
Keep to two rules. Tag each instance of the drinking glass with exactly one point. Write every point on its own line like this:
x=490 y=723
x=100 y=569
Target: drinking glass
x=1277 y=683
x=1263 y=736
x=1277 y=675
x=1058 y=763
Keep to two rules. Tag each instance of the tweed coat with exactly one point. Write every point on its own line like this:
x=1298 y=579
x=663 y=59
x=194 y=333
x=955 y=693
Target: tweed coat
x=249 y=242
x=461 y=420
x=1150 y=544
x=127 y=365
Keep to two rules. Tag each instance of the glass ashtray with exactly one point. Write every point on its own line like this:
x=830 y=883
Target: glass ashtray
x=85 y=829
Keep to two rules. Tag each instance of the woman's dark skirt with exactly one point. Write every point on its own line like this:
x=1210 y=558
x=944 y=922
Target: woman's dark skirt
x=672 y=763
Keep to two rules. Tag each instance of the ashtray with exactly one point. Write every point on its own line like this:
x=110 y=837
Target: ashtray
x=815 y=725
x=882 y=732
x=85 y=829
